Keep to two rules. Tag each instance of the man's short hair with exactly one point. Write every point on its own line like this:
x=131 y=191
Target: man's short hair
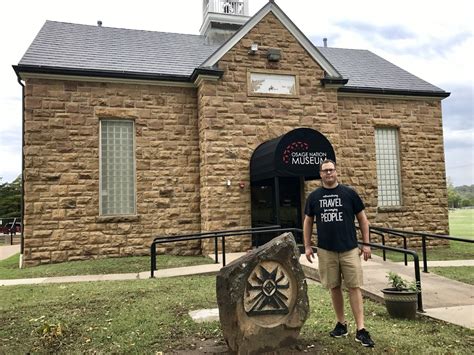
x=325 y=161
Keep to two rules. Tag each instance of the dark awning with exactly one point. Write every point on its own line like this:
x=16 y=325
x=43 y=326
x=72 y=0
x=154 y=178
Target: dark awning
x=296 y=153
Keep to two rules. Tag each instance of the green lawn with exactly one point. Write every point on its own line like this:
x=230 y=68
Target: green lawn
x=149 y=316
x=460 y=273
x=461 y=223
x=9 y=267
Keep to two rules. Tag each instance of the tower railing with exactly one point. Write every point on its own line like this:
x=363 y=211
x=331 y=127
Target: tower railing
x=234 y=7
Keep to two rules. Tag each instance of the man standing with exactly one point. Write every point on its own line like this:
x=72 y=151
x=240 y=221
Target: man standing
x=335 y=205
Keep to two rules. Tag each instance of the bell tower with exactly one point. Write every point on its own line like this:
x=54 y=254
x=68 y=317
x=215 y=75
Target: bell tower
x=222 y=18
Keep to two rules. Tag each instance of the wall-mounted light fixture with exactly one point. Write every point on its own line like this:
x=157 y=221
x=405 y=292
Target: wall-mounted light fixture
x=253 y=48
x=273 y=55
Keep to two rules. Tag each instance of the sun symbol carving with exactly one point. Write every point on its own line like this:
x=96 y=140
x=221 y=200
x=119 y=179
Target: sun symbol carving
x=266 y=292
x=294 y=147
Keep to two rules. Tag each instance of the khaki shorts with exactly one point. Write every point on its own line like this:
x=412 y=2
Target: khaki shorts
x=333 y=265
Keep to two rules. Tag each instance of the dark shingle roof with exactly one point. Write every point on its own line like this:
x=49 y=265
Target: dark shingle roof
x=365 y=69
x=82 y=47
x=116 y=51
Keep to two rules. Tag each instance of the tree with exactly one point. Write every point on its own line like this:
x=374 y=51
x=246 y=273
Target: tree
x=467 y=194
x=454 y=199
x=10 y=198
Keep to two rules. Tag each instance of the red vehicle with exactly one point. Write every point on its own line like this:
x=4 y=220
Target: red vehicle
x=11 y=228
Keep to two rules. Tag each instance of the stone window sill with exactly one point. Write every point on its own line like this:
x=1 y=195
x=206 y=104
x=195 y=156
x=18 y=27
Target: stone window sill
x=392 y=209
x=118 y=219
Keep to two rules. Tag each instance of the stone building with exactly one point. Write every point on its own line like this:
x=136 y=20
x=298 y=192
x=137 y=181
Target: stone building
x=133 y=134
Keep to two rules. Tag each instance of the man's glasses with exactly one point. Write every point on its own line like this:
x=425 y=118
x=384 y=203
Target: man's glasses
x=328 y=171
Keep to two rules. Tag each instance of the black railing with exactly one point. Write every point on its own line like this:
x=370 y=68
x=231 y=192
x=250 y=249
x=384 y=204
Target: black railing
x=216 y=235
x=277 y=229
x=416 y=262
x=407 y=234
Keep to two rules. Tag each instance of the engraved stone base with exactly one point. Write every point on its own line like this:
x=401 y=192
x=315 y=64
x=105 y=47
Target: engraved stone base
x=262 y=297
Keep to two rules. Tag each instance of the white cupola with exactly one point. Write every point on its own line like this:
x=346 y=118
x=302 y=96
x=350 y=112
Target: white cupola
x=222 y=18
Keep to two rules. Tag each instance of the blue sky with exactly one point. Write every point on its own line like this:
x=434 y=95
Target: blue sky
x=432 y=40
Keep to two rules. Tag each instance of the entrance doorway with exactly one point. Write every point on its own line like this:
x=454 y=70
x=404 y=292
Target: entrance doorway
x=278 y=170
x=276 y=202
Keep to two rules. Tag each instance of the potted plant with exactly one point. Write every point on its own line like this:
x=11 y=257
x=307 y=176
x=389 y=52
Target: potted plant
x=401 y=298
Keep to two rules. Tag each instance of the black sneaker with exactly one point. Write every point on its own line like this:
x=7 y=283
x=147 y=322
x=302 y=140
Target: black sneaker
x=339 y=331
x=363 y=337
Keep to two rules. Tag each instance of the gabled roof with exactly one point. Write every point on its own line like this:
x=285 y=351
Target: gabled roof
x=367 y=70
x=72 y=49
x=331 y=72
x=76 y=47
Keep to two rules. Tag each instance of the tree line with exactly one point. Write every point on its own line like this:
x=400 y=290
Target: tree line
x=10 y=198
x=460 y=196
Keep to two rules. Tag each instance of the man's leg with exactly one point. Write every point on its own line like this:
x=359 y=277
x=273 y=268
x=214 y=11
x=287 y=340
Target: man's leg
x=357 y=305
x=362 y=335
x=338 y=303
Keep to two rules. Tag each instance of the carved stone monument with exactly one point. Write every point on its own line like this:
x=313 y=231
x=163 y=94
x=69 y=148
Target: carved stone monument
x=262 y=298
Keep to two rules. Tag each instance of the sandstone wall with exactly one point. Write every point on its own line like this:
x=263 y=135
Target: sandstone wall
x=423 y=180
x=232 y=123
x=189 y=142
x=62 y=219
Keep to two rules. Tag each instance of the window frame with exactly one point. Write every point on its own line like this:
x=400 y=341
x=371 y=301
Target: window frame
x=398 y=179
x=134 y=168
x=271 y=75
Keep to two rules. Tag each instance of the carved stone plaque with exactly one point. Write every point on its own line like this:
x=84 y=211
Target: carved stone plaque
x=262 y=297
x=268 y=290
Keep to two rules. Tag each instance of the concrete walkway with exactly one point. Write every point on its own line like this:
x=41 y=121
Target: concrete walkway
x=443 y=299
x=9 y=250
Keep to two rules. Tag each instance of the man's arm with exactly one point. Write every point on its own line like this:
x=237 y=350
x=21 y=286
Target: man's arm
x=364 y=228
x=307 y=231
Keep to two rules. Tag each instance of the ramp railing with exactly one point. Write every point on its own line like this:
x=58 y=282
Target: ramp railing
x=216 y=235
x=411 y=234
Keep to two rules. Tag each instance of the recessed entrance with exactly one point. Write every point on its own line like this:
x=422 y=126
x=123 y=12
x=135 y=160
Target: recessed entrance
x=278 y=170
x=270 y=208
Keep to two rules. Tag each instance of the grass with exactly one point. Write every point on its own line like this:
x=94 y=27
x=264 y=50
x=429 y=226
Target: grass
x=460 y=273
x=9 y=267
x=461 y=223
x=148 y=316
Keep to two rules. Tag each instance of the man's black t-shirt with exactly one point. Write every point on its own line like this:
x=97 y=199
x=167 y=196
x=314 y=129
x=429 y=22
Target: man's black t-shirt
x=335 y=210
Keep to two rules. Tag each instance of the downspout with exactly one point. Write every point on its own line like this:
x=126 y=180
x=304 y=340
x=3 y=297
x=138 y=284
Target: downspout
x=22 y=242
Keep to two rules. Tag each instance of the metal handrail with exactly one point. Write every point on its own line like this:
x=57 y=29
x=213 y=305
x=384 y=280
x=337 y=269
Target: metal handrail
x=416 y=262
x=205 y=234
x=404 y=234
x=215 y=235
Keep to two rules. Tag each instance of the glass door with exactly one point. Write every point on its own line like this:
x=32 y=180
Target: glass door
x=290 y=204
x=276 y=201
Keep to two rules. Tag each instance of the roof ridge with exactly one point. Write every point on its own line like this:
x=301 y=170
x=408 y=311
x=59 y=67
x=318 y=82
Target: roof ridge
x=123 y=28
x=350 y=49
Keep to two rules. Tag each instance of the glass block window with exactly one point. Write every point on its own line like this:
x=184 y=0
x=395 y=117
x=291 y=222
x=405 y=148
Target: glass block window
x=388 y=167
x=117 y=167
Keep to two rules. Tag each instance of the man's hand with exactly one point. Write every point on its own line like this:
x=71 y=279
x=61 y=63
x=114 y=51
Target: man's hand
x=366 y=251
x=309 y=253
